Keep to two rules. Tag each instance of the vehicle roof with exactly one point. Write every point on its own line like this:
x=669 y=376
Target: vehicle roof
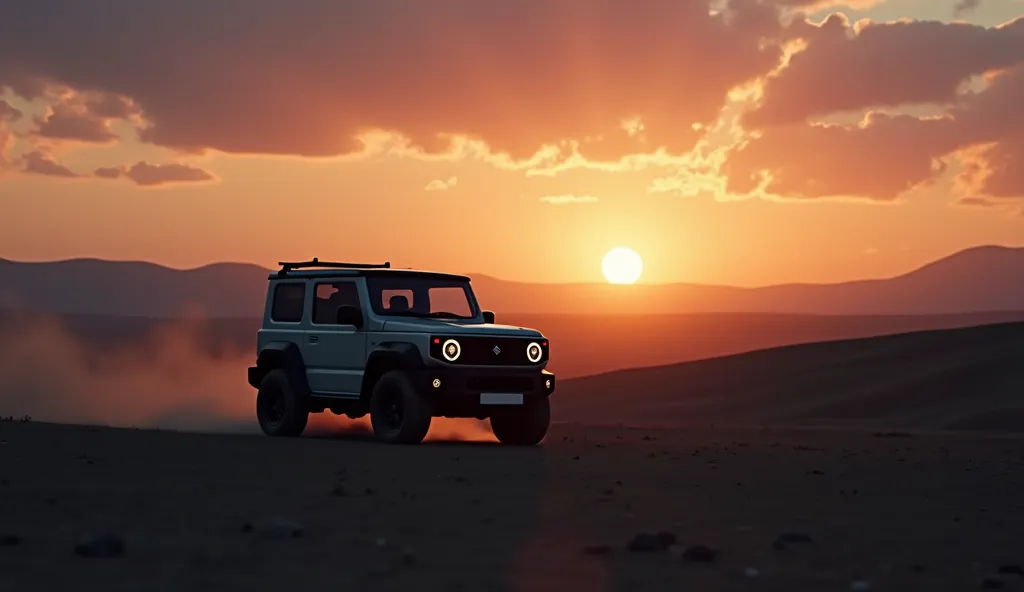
x=363 y=272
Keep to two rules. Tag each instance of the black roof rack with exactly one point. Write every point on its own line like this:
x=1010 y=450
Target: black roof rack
x=287 y=266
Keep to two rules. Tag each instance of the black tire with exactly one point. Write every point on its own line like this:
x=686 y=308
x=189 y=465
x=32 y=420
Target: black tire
x=522 y=426
x=280 y=410
x=398 y=412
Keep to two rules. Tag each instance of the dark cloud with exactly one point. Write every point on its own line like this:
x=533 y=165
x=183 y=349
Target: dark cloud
x=964 y=7
x=83 y=116
x=39 y=163
x=885 y=64
x=151 y=175
x=108 y=173
x=305 y=77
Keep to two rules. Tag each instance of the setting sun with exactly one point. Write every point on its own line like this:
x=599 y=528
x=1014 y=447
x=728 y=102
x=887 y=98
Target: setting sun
x=622 y=266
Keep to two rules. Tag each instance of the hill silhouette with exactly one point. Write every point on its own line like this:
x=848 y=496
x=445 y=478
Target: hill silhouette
x=988 y=278
x=955 y=379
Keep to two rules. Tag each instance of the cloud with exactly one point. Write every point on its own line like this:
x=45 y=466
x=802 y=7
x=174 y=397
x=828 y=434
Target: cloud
x=886 y=156
x=152 y=175
x=441 y=185
x=848 y=67
x=964 y=7
x=38 y=163
x=507 y=72
x=82 y=116
x=7 y=114
x=561 y=200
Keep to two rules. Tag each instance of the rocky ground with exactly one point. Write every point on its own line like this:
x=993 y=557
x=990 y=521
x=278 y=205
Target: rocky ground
x=592 y=509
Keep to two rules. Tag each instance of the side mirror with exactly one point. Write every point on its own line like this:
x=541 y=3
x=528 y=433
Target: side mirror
x=488 y=317
x=350 y=315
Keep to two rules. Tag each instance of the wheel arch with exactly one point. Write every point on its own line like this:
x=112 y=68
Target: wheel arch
x=393 y=355
x=281 y=355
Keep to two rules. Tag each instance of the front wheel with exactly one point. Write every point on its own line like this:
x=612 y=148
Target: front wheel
x=522 y=426
x=398 y=412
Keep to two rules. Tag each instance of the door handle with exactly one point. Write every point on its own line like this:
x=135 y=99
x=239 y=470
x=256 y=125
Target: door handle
x=313 y=339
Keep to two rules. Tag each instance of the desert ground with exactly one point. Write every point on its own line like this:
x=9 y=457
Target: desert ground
x=884 y=463
x=863 y=510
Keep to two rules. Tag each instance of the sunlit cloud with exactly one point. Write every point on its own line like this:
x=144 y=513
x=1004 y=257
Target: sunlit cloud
x=441 y=185
x=562 y=200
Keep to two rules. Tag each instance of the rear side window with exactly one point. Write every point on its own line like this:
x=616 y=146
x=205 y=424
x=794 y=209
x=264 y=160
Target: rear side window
x=330 y=296
x=288 y=301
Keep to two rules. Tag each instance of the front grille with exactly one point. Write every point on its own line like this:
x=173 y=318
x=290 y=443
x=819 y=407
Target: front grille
x=500 y=384
x=480 y=350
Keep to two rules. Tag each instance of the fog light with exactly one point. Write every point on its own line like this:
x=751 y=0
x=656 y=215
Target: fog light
x=437 y=383
x=547 y=383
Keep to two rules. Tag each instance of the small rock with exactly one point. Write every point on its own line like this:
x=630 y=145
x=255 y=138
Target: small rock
x=275 y=528
x=107 y=545
x=992 y=584
x=667 y=538
x=339 y=490
x=597 y=550
x=645 y=542
x=409 y=557
x=9 y=540
x=1011 y=569
x=381 y=542
x=792 y=538
x=700 y=554
x=751 y=572
x=860 y=585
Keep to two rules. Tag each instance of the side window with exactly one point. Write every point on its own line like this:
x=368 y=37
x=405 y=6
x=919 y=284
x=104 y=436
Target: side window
x=331 y=295
x=288 y=301
x=397 y=300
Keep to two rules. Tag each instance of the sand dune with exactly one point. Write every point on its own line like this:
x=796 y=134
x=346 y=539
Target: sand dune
x=958 y=379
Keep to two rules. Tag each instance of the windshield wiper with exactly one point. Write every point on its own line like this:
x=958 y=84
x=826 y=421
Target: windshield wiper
x=441 y=314
x=429 y=315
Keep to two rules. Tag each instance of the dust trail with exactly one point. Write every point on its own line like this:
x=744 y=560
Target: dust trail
x=169 y=379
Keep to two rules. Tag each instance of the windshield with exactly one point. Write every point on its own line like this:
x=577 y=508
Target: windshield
x=423 y=297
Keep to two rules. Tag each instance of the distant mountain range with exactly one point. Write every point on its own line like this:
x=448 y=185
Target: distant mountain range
x=980 y=279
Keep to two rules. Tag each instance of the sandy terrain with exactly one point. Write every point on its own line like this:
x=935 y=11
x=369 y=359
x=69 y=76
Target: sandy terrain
x=921 y=512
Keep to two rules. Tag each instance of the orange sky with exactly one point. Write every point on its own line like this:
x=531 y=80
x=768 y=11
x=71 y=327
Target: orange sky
x=524 y=140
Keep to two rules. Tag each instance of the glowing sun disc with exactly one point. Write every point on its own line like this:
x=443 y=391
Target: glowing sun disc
x=622 y=266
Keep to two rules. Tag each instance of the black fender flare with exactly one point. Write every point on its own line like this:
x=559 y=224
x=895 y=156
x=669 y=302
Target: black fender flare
x=390 y=355
x=283 y=355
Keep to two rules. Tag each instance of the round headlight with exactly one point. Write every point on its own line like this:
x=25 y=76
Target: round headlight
x=451 y=350
x=534 y=352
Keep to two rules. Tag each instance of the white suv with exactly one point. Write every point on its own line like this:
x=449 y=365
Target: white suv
x=401 y=345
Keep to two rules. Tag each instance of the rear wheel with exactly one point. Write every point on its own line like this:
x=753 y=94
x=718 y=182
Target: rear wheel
x=398 y=412
x=522 y=426
x=280 y=410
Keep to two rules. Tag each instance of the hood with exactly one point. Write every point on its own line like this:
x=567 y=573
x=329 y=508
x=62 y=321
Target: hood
x=411 y=325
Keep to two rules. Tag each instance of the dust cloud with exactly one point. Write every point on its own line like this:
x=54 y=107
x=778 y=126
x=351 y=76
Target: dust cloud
x=168 y=379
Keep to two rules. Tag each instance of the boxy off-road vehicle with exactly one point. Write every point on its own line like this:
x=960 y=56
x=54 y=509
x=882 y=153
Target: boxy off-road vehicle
x=400 y=345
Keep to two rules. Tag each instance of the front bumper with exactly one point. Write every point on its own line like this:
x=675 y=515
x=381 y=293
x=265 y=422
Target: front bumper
x=457 y=390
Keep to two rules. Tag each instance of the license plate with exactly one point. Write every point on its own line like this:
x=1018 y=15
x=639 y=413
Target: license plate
x=501 y=398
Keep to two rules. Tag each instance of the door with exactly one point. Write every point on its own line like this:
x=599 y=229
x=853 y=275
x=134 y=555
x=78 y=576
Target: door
x=335 y=354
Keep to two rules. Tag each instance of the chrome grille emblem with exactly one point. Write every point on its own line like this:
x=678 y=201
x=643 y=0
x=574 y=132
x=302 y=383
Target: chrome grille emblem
x=496 y=350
